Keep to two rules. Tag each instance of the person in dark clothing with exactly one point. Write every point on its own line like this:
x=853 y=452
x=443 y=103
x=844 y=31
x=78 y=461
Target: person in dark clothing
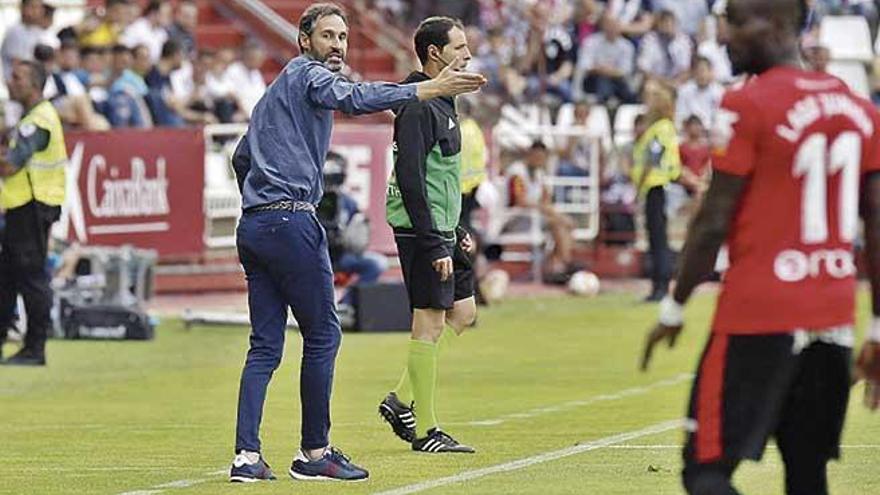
x=423 y=207
x=33 y=170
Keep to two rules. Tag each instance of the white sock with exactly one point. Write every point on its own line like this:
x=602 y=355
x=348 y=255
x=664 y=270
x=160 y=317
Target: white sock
x=247 y=457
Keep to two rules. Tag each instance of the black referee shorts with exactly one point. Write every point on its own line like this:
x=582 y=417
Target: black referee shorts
x=749 y=388
x=423 y=284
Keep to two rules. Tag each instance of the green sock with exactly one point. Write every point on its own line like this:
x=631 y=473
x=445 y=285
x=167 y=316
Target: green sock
x=446 y=340
x=403 y=389
x=422 y=367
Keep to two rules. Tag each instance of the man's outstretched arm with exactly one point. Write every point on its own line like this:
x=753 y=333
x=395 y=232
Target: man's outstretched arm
x=333 y=92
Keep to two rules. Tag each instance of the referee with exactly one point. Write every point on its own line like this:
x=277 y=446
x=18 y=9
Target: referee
x=32 y=193
x=281 y=244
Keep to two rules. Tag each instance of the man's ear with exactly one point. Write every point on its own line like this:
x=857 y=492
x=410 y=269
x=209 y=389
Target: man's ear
x=305 y=42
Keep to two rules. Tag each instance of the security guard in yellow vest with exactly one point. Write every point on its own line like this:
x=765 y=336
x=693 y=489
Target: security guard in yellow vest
x=32 y=168
x=656 y=163
x=473 y=162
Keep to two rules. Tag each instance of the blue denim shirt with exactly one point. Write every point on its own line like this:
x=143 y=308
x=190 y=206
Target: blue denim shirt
x=282 y=155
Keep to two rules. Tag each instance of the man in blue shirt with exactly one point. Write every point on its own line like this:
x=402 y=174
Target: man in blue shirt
x=281 y=244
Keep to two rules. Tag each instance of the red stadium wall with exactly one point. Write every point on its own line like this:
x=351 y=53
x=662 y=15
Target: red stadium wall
x=143 y=188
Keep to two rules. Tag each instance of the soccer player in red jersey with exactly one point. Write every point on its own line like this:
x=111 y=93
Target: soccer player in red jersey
x=796 y=158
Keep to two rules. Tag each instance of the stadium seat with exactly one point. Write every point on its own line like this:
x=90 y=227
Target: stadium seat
x=528 y=119
x=853 y=74
x=598 y=123
x=848 y=37
x=222 y=199
x=624 y=121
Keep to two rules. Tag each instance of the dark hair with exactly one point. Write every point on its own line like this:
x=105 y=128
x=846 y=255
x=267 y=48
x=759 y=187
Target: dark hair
x=113 y=3
x=805 y=16
x=693 y=119
x=37 y=72
x=205 y=53
x=85 y=51
x=170 y=49
x=67 y=44
x=313 y=14
x=701 y=59
x=433 y=31
x=44 y=53
x=666 y=14
x=152 y=7
x=538 y=145
x=120 y=48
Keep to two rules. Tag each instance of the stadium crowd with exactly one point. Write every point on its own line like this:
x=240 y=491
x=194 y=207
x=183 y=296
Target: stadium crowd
x=134 y=64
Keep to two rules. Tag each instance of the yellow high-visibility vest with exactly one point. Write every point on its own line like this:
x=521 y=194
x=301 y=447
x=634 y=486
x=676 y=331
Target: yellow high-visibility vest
x=43 y=176
x=473 y=155
x=657 y=150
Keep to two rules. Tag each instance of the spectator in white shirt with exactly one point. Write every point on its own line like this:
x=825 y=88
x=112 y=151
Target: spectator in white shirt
x=21 y=39
x=221 y=89
x=709 y=47
x=701 y=96
x=247 y=78
x=605 y=64
x=690 y=13
x=665 y=52
x=149 y=30
x=635 y=16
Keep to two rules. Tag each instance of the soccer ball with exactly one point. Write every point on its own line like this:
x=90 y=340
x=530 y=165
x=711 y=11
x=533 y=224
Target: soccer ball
x=494 y=285
x=584 y=283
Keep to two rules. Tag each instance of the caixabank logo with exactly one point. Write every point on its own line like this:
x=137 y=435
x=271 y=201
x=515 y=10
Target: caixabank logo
x=143 y=188
x=128 y=191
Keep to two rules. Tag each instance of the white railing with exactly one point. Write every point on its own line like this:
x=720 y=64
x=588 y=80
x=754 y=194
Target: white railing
x=577 y=197
x=222 y=199
x=271 y=19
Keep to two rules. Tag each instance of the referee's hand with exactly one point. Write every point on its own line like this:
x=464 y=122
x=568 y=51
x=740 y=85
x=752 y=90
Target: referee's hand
x=443 y=266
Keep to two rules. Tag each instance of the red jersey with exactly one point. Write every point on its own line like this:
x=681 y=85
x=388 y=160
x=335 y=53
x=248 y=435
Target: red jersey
x=695 y=157
x=804 y=141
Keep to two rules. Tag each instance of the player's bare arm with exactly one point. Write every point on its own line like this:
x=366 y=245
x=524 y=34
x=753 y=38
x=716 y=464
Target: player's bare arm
x=868 y=363
x=705 y=236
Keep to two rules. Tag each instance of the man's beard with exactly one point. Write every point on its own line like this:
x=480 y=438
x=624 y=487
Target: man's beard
x=337 y=64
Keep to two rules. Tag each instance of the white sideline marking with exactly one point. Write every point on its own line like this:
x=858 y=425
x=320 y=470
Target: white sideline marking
x=181 y=483
x=539 y=411
x=176 y=484
x=537 y=459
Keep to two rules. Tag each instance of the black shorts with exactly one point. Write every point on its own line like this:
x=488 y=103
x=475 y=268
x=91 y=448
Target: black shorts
x=423 y=284
x=751 y=387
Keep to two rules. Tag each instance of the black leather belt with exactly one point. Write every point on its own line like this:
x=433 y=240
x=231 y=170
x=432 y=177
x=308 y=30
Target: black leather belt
x=285 y=205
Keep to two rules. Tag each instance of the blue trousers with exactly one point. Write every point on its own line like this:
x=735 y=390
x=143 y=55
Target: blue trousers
x=287 y=264
x=368 y=267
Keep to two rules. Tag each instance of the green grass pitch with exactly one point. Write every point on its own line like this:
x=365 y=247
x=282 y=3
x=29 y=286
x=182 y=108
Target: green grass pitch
x=536 y=376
